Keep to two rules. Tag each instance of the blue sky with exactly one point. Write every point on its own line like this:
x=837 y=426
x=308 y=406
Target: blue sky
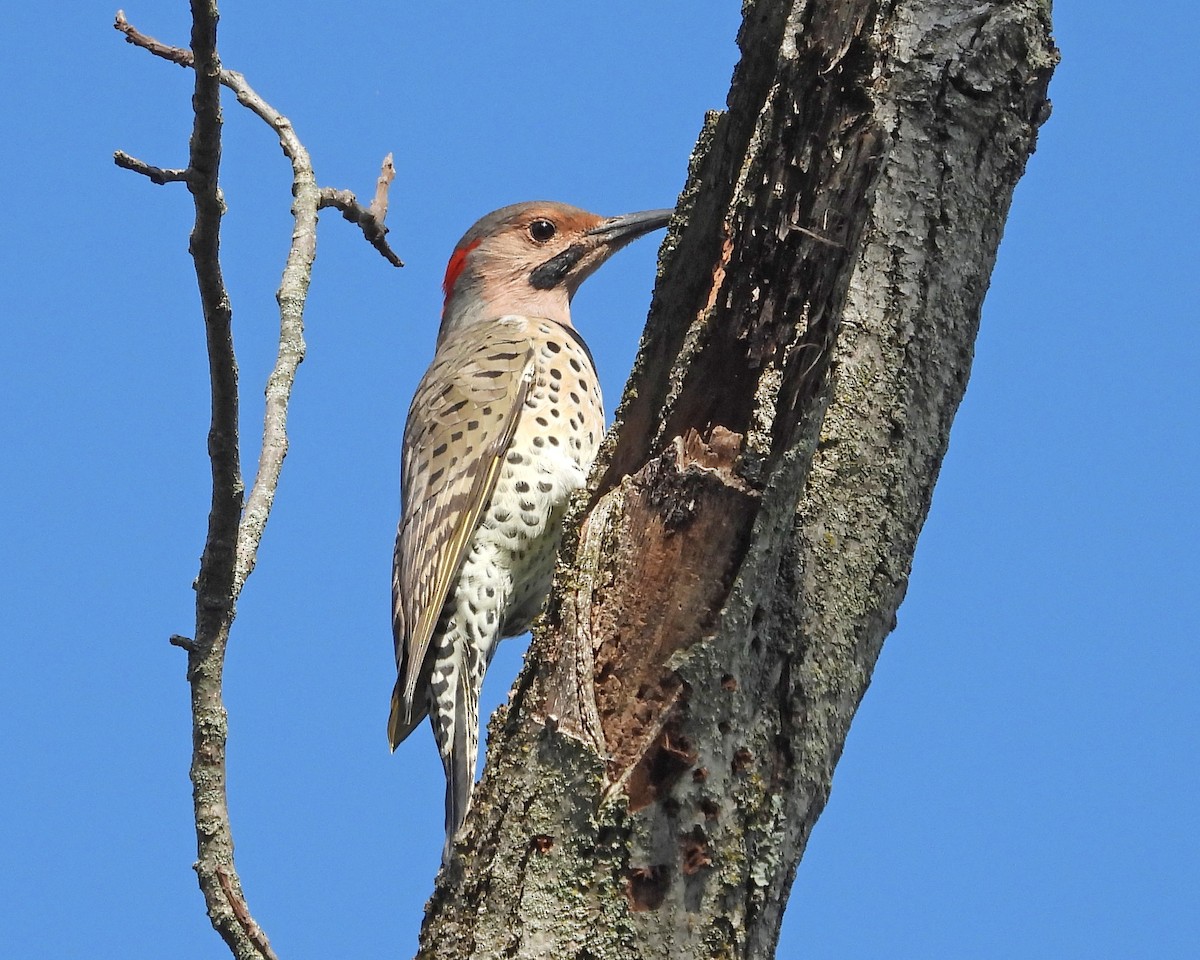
x=1022 y=779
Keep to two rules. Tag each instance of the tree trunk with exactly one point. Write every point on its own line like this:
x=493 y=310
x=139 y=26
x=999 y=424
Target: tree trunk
x=751 y=522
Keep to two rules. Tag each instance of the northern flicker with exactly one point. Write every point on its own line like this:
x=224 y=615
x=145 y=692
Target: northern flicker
x=501 y=431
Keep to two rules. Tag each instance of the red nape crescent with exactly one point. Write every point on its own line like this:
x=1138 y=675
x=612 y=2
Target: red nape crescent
x=458 y=260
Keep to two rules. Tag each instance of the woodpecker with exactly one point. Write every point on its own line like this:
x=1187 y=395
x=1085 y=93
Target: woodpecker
x=502 y=429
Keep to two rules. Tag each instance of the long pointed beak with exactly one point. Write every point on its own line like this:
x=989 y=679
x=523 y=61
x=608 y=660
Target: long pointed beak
x=617 y=231
x=582 y=258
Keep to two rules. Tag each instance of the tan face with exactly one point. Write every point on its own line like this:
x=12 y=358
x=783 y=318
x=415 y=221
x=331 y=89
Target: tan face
x=530 y=258
x=544 y=245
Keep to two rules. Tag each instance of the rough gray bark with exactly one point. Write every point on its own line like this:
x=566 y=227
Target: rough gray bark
x=650 y=790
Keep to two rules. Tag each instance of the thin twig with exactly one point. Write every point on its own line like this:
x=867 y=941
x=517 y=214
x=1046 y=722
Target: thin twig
x=371 y=225
x=157 y=175
x=387 y=173
x=132 y=35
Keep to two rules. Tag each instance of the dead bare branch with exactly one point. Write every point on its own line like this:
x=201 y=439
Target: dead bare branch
x=236 y=527
x=157 y=175
x=367 y=220
x=176 y=55
x=387 y=173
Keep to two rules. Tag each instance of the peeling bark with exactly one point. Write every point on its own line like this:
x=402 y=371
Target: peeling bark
x=752 y=518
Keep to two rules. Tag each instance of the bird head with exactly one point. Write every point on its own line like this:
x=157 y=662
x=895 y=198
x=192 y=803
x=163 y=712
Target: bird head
x=530 y=258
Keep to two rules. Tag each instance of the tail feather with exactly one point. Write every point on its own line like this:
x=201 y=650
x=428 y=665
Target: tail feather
x=459 y=762
x=402 y=721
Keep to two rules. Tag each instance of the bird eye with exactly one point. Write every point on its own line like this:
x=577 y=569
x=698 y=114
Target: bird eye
x=542 y=230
